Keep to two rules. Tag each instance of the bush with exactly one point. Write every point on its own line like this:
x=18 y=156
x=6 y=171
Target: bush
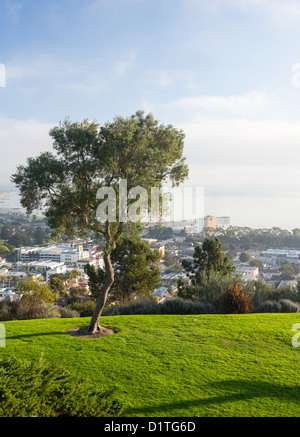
x=8 y=310
x=84 y=309
x=139 y=306
x=280 y=306
x=67 y=313
x=269 y=306
x=23 y=310
x=44 y=390
x=287 y=306
x=235 y=300
x=38 y=311
x=211 y=289
x=261 y=293
x=182 y=306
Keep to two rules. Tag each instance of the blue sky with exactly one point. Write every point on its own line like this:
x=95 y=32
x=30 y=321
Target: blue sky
x=219 y=69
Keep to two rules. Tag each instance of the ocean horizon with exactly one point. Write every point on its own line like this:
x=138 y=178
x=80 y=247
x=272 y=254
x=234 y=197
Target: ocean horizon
x=259 y=212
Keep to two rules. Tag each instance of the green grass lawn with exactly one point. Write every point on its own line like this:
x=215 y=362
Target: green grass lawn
x=170 y=365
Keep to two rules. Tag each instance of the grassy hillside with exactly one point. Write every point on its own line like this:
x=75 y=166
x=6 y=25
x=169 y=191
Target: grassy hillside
x=164 y=365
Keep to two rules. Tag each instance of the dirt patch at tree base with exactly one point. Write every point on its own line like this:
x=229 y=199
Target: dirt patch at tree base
x=83 y=332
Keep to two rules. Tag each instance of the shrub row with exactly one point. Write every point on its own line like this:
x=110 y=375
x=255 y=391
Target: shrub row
x=280 y=306
x=21 y=310
x=234 y=301
x=170 y=306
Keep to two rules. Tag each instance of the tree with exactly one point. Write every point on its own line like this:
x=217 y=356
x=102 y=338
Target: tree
x=56 y=285
x=231 y=254
x=136 y=267
x=5 y=232
x=19 y=239
x=244 y=257
x=90 y=159
x=4 y=250
x=208 y=258
x=256 y=263
x=75 y=273
x=39 y=236
x=36 y=292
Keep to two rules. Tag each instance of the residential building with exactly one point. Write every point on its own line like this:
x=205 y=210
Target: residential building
x=65 y=253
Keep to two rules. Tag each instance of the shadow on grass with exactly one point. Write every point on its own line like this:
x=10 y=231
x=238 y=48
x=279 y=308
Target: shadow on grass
x=36 y=334
x=235 y=390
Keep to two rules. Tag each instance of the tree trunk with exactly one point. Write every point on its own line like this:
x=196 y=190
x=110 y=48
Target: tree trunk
x=101 y=300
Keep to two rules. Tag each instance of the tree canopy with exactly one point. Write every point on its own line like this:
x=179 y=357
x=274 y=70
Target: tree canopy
x=88 y=156
x=136 y=269
x=208 y=258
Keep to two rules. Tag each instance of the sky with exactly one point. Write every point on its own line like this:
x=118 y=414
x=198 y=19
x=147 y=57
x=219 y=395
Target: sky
x=227 y=72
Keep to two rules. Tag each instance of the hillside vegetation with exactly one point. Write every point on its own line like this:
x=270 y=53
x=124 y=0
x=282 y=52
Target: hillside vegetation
x=175 y=365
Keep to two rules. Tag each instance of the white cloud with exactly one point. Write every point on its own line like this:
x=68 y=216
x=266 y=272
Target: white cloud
x=281 y=11
x=248 y=103
x=164 y=78
x=20 y=140
x=234 y=152
x=121 y=67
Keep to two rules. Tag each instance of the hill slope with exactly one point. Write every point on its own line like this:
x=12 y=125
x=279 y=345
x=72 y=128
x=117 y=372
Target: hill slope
x=171 y=365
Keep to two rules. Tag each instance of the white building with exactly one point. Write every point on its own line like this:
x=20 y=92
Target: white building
x=281 y=255
x=65 y=253
x=248 y=273
x=9 y=294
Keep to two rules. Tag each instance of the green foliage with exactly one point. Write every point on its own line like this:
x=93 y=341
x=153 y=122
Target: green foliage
x=40 y=389
x=260 y=292
x=56 y=284
x=89 y=156
x=140 y=306
x=169 y=260
x=35 y=292
x=85 y=309
x=211 y=288
x=246 y=237
x=19 y=239
x=151 y=306
x=67 y=313
x=160 y=233
x=208 y=259
x=26 y=310
x=244 y=257
x=39 y=236
x=174 y=269
x=278 y=306
x=182 y=306
x=256 y=263
x=5 y=232
x=136 y=270
x=4 y=250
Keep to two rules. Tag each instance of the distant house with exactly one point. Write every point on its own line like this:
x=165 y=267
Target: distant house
x=8 y=294
x=291 y=284
x=248 y=273
x=162 y=293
